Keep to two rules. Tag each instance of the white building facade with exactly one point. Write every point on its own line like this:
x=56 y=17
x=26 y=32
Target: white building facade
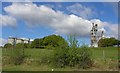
x=14 y=41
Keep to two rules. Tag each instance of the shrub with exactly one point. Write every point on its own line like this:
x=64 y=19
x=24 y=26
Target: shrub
x=17 y=56
x=72 y=57
x=18 y=60
x=79 y=57
x=46 y=59
x=85 y=60
x=49 y=47
x=72 y=40
x=6 y=60
x=8 y=45
x=60 y=57
x=84 y=45
x=22 y=45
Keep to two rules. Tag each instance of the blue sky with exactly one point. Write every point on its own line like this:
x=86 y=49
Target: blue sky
x=39 y=19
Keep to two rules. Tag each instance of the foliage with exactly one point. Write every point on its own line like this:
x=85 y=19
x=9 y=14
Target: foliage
x=84 y=45
x=19 y=45
x=46 y=59
x=54 y=41
x=17 y=56
x=85 y=60
x=72 y=40
x=49 y=42
x=73 y=56
x=79 y=57
x=60 y=57
x=8 y=45
x=45 y=54
x=22 y=45
x=106 y=42
x=35 y=43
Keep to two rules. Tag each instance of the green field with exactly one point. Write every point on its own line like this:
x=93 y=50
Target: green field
x=111 y=53
x=102 y=57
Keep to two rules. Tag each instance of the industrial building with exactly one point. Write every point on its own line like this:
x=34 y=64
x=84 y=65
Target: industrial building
x=14 y=40
x=94 y=35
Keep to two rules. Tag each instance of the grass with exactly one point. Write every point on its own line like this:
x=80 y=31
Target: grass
x=37 y=53
x=0 y=59
x=103 y=60
x=109 y=52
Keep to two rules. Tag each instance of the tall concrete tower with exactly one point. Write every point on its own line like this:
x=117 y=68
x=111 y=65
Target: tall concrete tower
x=102 y=34
x=94 y=37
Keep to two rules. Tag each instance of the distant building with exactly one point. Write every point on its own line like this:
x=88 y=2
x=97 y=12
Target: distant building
x=94 y=36
x=14 y=40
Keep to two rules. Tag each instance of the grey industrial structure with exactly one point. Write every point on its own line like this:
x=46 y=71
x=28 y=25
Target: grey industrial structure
x=94 y=35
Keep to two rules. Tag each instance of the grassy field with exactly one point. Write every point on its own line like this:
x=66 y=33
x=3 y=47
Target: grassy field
x=109 y=52
x=102 y=57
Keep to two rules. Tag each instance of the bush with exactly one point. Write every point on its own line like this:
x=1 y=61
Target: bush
x=8 y=45
x=49 y=47
x=60 y=57
x=17 y=56
x=18 y=59
x=84 y=57
x=84 y=45
x=46 y=59
x=79 y=57
x=22 y=45
x=72 y=40
x=6 y=60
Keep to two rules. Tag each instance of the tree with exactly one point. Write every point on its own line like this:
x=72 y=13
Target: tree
x=8 y=45
x=22 y=45
x=106 y=42
x=50 y=41
x=55 y=41
x=73 y=42
x=35 y=43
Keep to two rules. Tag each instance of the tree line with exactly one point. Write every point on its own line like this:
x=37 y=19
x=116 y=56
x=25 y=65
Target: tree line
x=55 y=41
x=107 y=42
x=49 y=42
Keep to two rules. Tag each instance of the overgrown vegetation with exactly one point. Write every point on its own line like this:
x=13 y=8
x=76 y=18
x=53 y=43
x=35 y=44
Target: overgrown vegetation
x=77 y=57
x=73 y=42
x=55 y=51
x=47 y=42
x=43 y=59
x=16 y=56
x=73 y=56
x=8 y=45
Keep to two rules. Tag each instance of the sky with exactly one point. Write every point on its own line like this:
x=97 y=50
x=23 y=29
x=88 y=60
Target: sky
x=60 y=0
x=39 y=19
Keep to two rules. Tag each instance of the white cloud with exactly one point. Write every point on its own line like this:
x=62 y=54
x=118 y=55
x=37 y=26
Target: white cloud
x=2 y=41
x=63 y=23
x=42 y=15
x=6 y=20
x=110 y=30
x=113 y=30
x=79 y=9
